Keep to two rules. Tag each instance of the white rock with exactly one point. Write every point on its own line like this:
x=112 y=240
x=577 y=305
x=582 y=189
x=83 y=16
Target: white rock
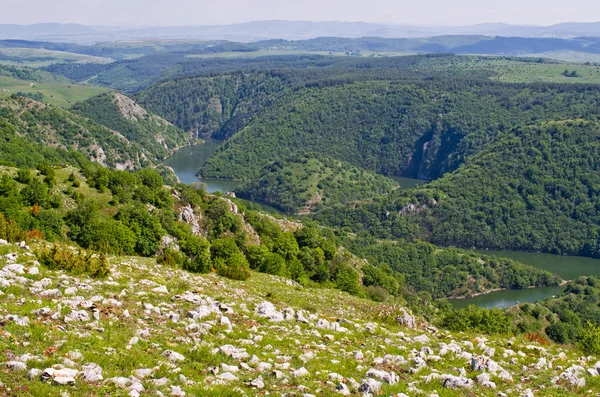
x=173 y=356
x=91 y=372
x=16 y=365
x=300 y=373
x=76 y=316
x=160 y=290
x=176 y=392
x=258 y=382
x=227 y=376
x=266 y=309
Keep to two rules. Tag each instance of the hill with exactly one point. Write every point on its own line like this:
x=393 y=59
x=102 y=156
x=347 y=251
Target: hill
x=120 y=113
x=533 y=189
x=305 y=184
x=26 y=120
x=166 y=330
x=420 y=130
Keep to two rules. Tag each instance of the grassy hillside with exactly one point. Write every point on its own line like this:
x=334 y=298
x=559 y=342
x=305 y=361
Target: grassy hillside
x=305 y=184
x=122 y=114
x=169 y=331
x=36 y=123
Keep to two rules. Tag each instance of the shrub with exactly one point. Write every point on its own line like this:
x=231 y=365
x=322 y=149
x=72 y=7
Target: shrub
x=589 y=341
x=24 y=176
x=198 y=251
x=536 y=337
x=172 y=258
x=75 y=262
x=10 y=230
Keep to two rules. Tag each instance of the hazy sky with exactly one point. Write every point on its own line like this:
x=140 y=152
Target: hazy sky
x=203 y=12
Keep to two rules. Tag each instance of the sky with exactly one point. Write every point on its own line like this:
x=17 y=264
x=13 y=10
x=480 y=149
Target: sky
x=218 y=12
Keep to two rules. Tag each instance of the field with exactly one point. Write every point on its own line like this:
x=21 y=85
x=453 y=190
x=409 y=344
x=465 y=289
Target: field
x=547 y=73
x=63 y=95
x=37 y=57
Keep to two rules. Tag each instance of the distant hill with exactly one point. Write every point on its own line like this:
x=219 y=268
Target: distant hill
x=291 y=30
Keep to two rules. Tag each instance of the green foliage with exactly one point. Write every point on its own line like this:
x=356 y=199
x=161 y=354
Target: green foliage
x=305 y=184
x=31 y=130
x=443 y=272
x=62 y=257
x=474 y=318
x=10 y=230
x=198 y=251
x=589 y=341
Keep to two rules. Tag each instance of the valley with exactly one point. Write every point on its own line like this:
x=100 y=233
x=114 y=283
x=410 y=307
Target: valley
x=272 y=216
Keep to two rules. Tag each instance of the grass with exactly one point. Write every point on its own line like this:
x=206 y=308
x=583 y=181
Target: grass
x=57 y=57
x=105 y=341
x=63 y=94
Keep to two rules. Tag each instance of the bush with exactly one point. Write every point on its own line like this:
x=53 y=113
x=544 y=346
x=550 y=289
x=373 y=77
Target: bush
x=589 y=341
x=61 y=257
x=172 y=258
x=10 y=230
x=24 y=176
x=198 y=251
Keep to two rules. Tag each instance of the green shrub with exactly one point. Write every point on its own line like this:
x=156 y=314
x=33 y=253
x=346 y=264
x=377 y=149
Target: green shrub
x=172 y=258
x=198 y=251
x=24 y=176
x=61 y=257
x=589 y=341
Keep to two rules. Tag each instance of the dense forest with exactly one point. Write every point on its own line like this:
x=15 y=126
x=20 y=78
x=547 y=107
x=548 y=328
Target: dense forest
x=304 y=184
x=534 y=188
x=415 y=130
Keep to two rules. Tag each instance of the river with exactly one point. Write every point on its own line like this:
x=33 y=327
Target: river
x=187 y=161
x=568 y=267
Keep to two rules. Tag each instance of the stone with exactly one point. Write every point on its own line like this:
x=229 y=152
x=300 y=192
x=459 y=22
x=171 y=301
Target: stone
x=176 y=392
x=342 y=389
x=160 y=290
x=370 y=386
x=387 y=377
x=258 y=383
x=300 y=373
x=77 y=316
x=455 y=382
x=34 y=373
x=406 y=319
x=91 y=372
x=573 y=375
x=173 y=356
x=16 y=366
x=51 y=294
x=227 y=376
x=267 y=309
x=485 y=380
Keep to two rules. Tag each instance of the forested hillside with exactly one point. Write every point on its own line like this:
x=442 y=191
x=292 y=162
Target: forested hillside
x=534 y=188
x=417 y=130
x=304 y=184
x=217 y=106
x=120 y=113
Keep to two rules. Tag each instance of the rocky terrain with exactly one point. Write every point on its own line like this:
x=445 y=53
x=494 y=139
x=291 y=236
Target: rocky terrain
x=151 y=330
